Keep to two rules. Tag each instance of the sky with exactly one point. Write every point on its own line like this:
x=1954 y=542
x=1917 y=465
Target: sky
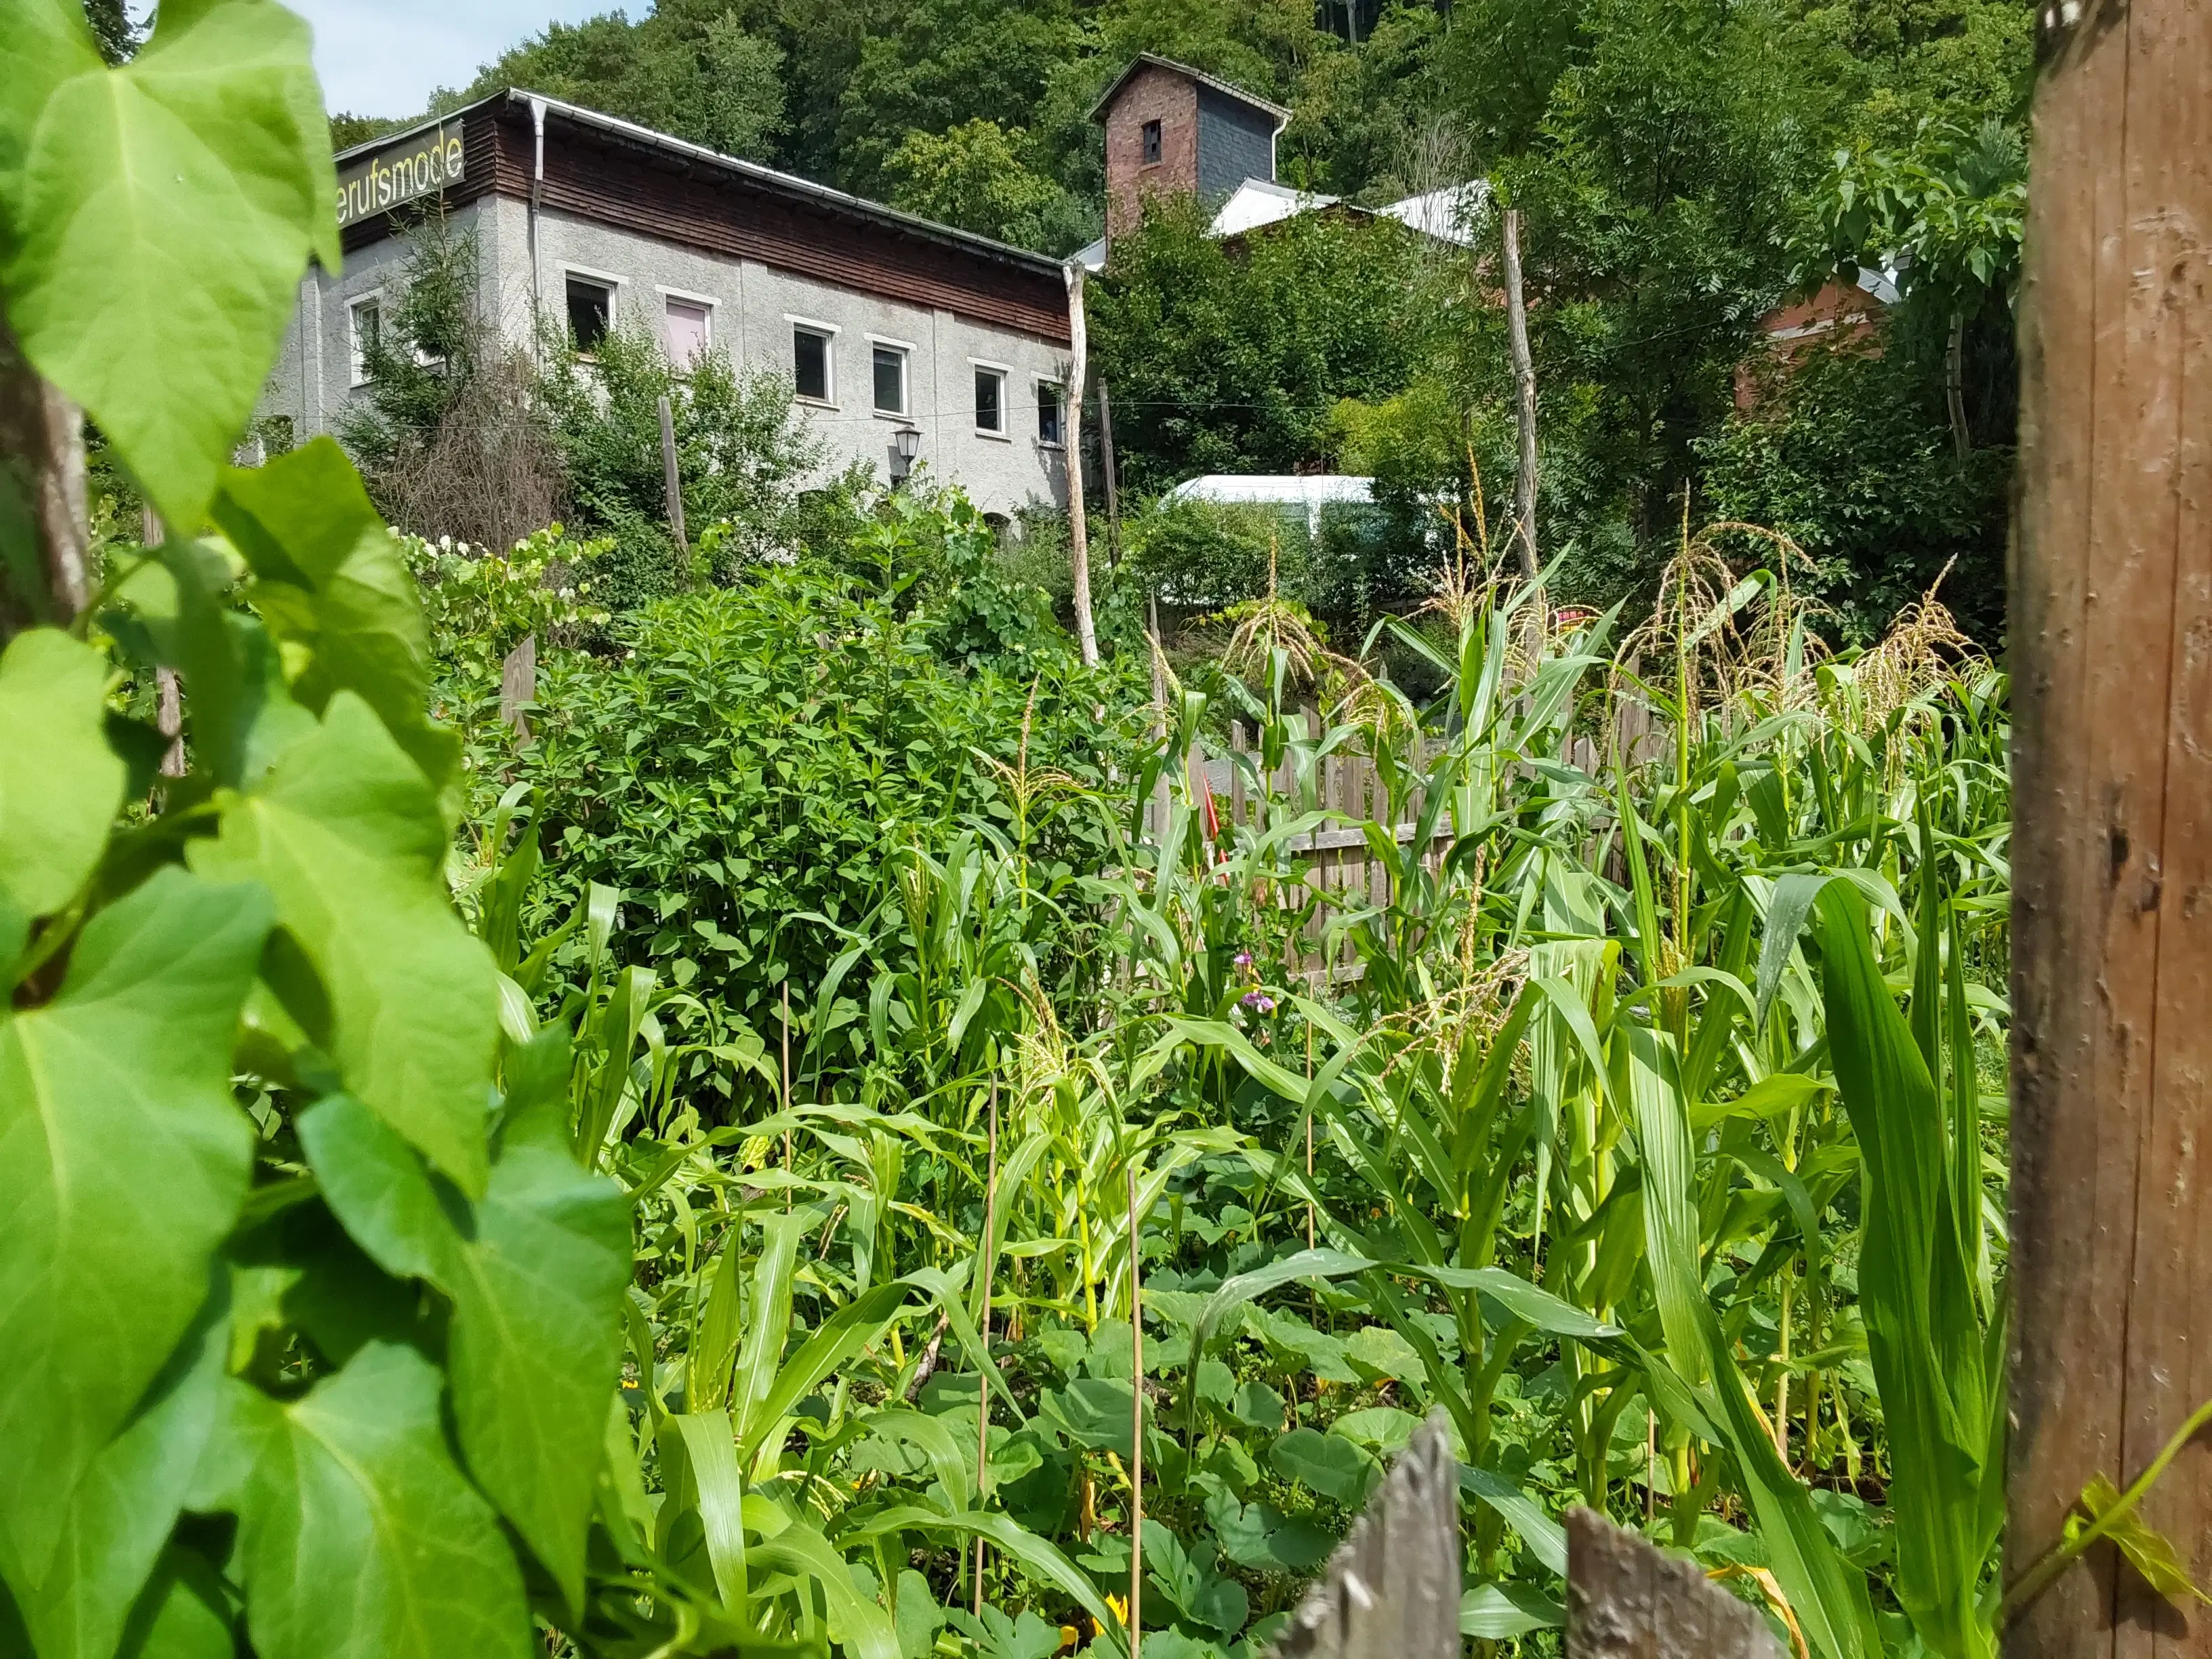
x=387 y=57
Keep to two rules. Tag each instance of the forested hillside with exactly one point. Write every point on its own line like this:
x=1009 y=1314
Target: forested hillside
x=1683 y=166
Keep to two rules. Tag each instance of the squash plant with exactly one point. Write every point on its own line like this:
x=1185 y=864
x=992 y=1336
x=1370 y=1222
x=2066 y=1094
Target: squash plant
x=311 y=1317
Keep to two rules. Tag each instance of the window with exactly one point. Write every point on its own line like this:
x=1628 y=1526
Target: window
x=990 y=401
x=810 y=362
x=1151 y=143
x=687 y=332
x=1049 y=412
x=365 y=333
x=891 y=380
x=591 y=313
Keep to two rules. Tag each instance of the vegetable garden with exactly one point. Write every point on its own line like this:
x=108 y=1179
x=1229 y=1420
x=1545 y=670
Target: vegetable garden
x=783 y=1160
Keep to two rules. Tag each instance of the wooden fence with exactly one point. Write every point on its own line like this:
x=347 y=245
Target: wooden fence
x=1336 y=860
x=1392 y=1590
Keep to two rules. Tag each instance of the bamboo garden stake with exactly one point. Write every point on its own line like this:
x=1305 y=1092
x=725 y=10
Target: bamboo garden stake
x=1136 y=1422
x=783 y=1085
x=983 y=1378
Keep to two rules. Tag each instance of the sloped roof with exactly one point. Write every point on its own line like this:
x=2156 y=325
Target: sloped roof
x=843 y=202
x=1143 y=58
x=1258 y=202
x=1449 y=214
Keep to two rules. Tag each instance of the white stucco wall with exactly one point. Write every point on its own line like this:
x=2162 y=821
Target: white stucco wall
x=752 y=305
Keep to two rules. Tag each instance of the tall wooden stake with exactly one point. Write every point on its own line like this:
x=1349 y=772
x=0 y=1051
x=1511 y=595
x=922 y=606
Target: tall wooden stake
x=168 y=694
x=783 y=1080
x=1079 y=545
x=1136 y=1419
x=2111 y=935
x=984 y=1381
x=1113 y=479
x=1524 y=397
x=671 y=480
x=42 y=439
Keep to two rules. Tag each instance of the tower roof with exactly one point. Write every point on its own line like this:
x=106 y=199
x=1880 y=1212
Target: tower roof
x=1154 y=60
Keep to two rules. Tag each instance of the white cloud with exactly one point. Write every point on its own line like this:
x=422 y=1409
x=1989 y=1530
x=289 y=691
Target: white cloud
x=387 y=57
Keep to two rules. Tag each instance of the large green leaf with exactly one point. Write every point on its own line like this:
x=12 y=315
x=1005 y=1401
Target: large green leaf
x=123 y=1162
x=329 y=578
x=1923 y=1334
x=346 y=832
x=1329 y=1463
x=120 y=1514
x=1037 y=1556
x=536 y=1275
x=358 y=1539
x=155 y=219
x=59 y=781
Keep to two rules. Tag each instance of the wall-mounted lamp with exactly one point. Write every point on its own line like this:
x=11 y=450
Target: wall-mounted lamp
x=906 y=444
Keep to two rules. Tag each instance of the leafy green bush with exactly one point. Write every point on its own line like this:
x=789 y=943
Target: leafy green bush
x=741 y=451
x=755 y=764
x=1853 y=458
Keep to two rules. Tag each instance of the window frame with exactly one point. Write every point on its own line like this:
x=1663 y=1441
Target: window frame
x=356 y=359
x=1003 y=373
x=903 y=350
x=827 y=333
x=1043 y=384
x=1151 y=145
x=706 y=302
x=606 y=280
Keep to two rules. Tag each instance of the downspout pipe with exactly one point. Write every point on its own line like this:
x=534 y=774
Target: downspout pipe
x=537 y=193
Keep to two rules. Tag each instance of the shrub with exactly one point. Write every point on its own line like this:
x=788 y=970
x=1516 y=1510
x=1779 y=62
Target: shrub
x=1854 y=459
x=758 y=757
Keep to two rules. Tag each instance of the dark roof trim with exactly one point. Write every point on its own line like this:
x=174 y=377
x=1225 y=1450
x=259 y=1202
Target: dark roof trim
x=1154 y=60
x=783 y=184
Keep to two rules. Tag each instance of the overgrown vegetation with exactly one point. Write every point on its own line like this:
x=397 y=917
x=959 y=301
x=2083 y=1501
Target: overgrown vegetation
x=506 y=1267
x=1682 y=169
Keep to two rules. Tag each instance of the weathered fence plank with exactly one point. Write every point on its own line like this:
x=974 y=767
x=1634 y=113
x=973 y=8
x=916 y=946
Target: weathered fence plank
x=2111 y=646
x=1626 y=1600
x=1392 y=1590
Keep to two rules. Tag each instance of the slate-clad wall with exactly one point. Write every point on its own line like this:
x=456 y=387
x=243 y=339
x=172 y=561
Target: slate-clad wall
x=1234 y=143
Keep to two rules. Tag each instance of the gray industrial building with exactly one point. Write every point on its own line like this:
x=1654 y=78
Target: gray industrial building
x=897 y=333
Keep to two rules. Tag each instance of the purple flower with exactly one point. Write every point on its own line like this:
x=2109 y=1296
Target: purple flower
x=1258 y=1001
x=1243 y=958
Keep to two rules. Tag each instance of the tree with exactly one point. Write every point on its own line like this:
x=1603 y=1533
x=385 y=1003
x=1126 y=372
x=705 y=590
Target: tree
x=1229 y=358
x=973 y=177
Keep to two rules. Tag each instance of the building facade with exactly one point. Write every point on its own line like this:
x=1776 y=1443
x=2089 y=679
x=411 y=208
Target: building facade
x=895 y=333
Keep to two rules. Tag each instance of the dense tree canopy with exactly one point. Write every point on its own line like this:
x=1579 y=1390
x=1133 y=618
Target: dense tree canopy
x=1682 y=167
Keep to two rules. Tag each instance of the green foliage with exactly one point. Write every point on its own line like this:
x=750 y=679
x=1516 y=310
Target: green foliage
x=741 y=450
x=159 y=214
x=479 y=605
x=1851 y=458
x=1948 y=213
x=1226 y=361
x=758 y=850
x=973 y=177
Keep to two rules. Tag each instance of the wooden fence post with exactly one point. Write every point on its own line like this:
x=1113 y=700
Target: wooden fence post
x=2110 y=643
x=1392 y=1590
x=1627 y=1601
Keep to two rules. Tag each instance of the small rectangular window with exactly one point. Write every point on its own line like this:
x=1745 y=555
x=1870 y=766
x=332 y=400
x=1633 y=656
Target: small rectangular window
x=591 y=313
x=687 y=332
x=1050 y=424
x=1151 y=143
x=990 y=400
x=891 y=380
x=365 y=334
x=810 y=365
